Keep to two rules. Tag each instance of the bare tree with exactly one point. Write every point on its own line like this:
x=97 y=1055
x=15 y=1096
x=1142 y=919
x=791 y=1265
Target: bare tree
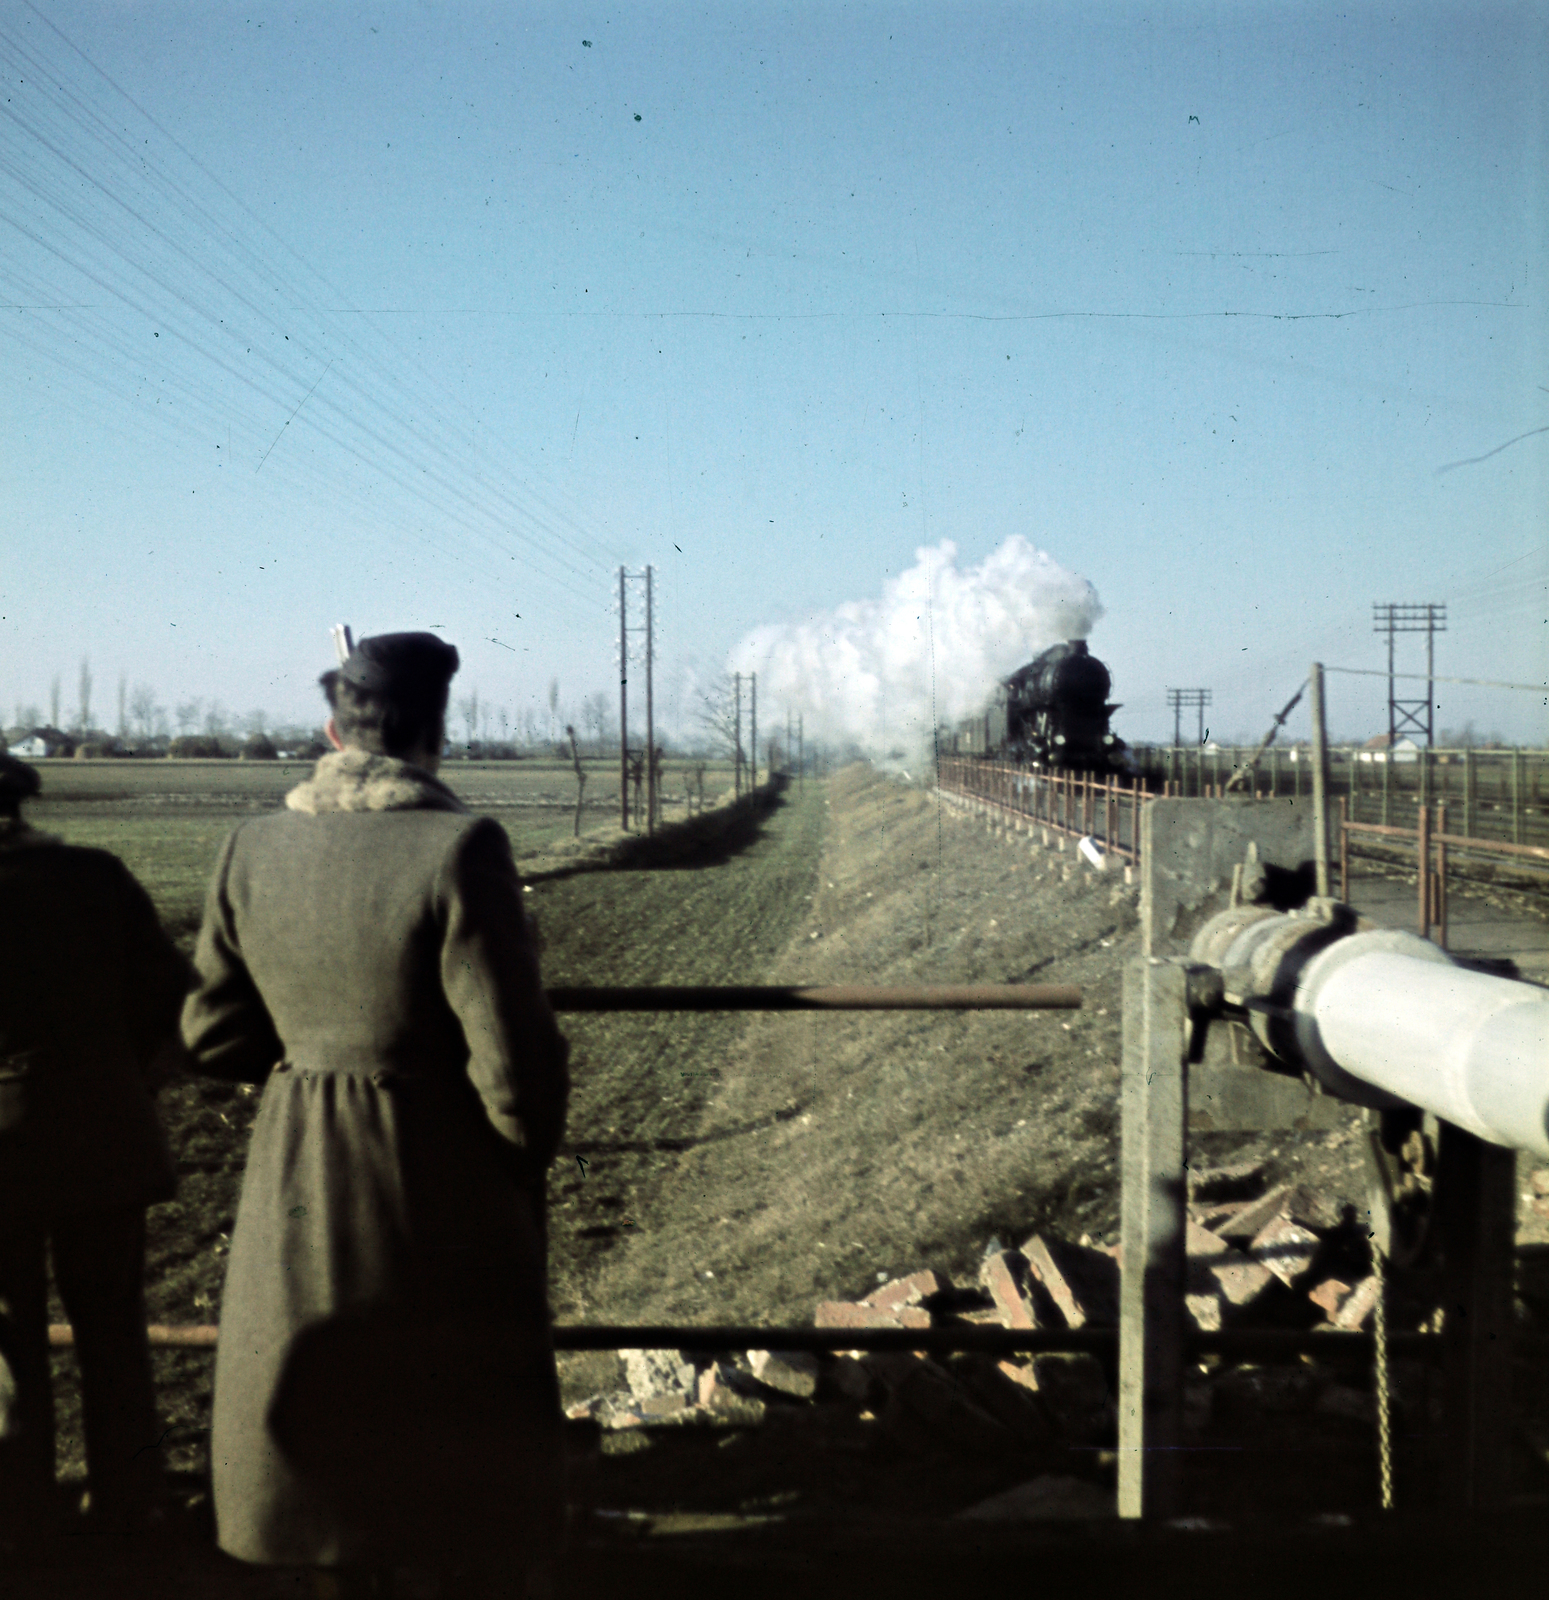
x=85 y=694
x=187 y=715
x=28 y=716
x=53 y=702
x=215 y=720
x=468 y=710
x=123 y=706
x=718 y=717
x=143 y=709
x=554 y=707
x=580 y=778
x=255 y=724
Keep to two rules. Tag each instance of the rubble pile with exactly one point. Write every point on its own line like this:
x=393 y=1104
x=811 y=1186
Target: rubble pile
x=1281 y=1256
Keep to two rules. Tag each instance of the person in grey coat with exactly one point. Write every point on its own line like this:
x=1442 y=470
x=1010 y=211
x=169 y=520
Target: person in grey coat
x=90 y=989
x=385 y=1391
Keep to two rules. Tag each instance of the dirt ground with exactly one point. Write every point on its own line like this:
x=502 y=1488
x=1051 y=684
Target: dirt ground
x=737 y=1169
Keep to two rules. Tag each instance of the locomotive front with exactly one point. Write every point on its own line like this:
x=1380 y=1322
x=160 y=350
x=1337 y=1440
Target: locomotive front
x=1057 y=711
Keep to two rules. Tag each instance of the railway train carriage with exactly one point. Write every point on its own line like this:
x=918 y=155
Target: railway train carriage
x=1052 y=713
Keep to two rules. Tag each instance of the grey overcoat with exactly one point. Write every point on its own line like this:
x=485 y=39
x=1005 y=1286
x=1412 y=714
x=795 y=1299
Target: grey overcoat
x=384 y=1384
x=89 y=986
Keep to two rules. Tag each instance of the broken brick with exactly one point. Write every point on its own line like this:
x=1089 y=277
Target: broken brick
x=1313 y=1209
x=850 y=1314
x=1019 y=1374
x=1327 y=1296
x=908 y=1291
x=1239 y=1278
x=789 y=1371
x=1285 y=1248
x=1358 y=1305
x=1205 y=1309
x=1004 y=1275
x=1256 y=1215
x=1083 y=1282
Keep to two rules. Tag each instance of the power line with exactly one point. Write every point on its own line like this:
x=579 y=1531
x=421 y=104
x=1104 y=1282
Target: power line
x=1430 y=677
x=489 y=511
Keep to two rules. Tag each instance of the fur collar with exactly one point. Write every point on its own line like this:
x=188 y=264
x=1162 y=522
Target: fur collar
x=356 y=780
x=16 y=835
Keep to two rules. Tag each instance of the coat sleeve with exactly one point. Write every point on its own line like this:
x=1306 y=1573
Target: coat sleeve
x=159 y=976
x=226 y=1026
x=489 y=971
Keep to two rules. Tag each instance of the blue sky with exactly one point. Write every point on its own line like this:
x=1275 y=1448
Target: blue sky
x=414 y=316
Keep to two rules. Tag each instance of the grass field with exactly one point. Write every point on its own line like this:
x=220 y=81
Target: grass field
x=167 y=819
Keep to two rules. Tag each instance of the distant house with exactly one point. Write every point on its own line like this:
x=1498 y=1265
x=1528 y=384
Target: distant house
x=1378 y=750
x=42 y=743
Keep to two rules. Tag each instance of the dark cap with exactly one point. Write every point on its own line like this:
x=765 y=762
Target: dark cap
x=18 y=781
x=395 y=661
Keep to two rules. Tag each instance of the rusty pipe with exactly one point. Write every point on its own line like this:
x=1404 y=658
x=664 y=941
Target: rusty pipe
x=839 y=997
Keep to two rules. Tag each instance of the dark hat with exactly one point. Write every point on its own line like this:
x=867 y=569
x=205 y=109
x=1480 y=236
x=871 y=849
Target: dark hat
x=389 y=662
x=18 y=781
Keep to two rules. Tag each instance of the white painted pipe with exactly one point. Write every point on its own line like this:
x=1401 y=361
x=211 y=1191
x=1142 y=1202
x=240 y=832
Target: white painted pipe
x=1471 y=1048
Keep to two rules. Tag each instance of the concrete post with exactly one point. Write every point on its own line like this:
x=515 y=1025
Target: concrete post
x=1151 y=1308
x=650 y=718
x=1319 y=779
x=623 y=706
x=1423 y=862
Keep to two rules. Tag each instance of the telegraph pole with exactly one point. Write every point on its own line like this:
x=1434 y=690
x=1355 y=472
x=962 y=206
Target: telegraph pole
x=736 y=752
x=1194 y=700
x=623 y=707
x=753 y=737
x=801 y=753
x=650 y=724
x=1430 y=619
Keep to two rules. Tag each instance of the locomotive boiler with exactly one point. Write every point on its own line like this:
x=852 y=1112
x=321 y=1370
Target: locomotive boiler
x=1052 y=713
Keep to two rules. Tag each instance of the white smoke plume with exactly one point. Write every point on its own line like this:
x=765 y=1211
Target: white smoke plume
x=940 y=636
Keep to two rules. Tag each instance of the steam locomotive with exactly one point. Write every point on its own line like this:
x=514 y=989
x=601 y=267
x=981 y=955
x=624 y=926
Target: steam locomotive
x=1053 y=712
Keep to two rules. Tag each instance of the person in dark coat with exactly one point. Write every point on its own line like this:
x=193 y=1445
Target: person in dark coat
x=385 y=1392
x=90 y=990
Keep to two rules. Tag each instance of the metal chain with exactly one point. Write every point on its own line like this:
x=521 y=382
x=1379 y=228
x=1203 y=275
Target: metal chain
x=1384 y=1398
